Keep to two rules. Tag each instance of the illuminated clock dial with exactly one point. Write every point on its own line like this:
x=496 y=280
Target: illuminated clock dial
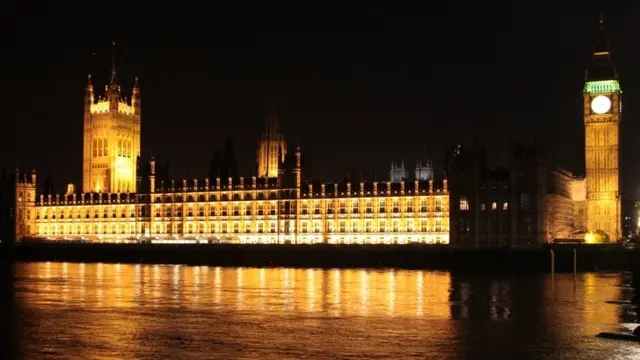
x=600 y=104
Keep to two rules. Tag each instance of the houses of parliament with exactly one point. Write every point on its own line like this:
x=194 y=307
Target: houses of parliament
x=118 y=203
x=121 y=201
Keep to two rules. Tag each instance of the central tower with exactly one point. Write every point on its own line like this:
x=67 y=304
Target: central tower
x=272 y=148
x=602 y=112
x=111 y=138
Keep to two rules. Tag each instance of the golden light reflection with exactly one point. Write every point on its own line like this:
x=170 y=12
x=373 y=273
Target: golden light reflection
x=311 y=290
x=118 y=278
x=132 y=300
x=336 y=287
x=175 y=280
x=100 y=283
x=598 y=294
x=83 y=289
x=196 y=283
x=239 y=288
x=287 y=291
x=47 y=270
x=364 y=292
x=65 y=286
x=419 y=293
x=218 y=285
x=334 y=292
x=391 y=293
x=138 y=280
x=156 y=281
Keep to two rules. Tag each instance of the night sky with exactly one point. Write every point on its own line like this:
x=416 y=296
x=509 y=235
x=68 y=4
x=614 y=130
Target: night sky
x=357 y=86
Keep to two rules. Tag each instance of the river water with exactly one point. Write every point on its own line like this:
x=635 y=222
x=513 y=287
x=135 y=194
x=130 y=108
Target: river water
x=115 y=311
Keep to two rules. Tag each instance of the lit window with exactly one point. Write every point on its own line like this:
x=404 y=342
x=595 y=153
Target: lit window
x=483 y=207
x=494 y=205
x=505 y=206
x=464 y=204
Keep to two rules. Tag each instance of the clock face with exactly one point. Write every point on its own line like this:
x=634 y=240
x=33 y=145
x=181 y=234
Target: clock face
x=600 y=104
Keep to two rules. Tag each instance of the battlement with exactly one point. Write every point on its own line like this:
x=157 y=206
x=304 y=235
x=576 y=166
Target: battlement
x=102 y=107
x=24 y=180
x=328 y=189
x=215 y=190
x=86 y=199
x=375 y=189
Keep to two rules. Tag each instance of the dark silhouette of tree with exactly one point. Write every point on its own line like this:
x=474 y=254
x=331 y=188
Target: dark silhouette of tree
x=224 y=164
x=229 y=164
x=162 y=172
x=307 y=165
x=215 y=165
x=142 y=180
x=49 y=185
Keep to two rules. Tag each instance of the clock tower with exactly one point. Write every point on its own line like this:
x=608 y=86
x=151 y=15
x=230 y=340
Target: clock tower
x=602 y=111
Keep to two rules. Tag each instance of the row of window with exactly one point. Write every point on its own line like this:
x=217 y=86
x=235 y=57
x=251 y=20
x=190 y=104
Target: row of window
x=213 y=212
x=251 y=208
x=100 y=147
x=524 y=204
x=382 y=226
x=250 y=195
x=272 y=210
x=124 y=147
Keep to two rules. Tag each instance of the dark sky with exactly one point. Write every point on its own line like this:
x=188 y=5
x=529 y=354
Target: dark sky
x=356 y=85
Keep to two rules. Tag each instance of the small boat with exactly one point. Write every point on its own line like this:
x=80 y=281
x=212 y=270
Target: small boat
x=627 y=336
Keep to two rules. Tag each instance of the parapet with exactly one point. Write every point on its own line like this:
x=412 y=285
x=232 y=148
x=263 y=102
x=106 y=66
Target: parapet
x=373 y=188
x=87 y=199
x=24 y=180
x=311 y=190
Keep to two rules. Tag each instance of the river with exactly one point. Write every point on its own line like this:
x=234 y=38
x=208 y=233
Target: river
x=51 y=310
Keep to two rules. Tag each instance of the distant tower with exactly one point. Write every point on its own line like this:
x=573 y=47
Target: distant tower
x=397 y=173
x=424 y=171
x=25 y=202
x=602 y=110
x=111 y=138
x=272 y=148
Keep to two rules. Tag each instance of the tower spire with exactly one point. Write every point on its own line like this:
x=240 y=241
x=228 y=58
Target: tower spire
x=113 y=64
x=601 y=67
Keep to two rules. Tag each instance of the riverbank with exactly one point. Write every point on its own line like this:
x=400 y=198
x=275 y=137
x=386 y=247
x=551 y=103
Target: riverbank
x=589 y=257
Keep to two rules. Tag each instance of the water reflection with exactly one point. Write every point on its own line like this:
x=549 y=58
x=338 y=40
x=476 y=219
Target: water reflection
x=347 y=292
x=159 y=309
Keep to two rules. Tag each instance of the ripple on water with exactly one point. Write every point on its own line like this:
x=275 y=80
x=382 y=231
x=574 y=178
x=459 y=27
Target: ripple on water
x=56 y=311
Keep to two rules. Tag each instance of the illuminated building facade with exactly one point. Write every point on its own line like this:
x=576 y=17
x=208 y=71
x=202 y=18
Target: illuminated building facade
x=602 y=112
x=111 y=143
x=260 y=210
x=564 y=213
x=579 y=197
